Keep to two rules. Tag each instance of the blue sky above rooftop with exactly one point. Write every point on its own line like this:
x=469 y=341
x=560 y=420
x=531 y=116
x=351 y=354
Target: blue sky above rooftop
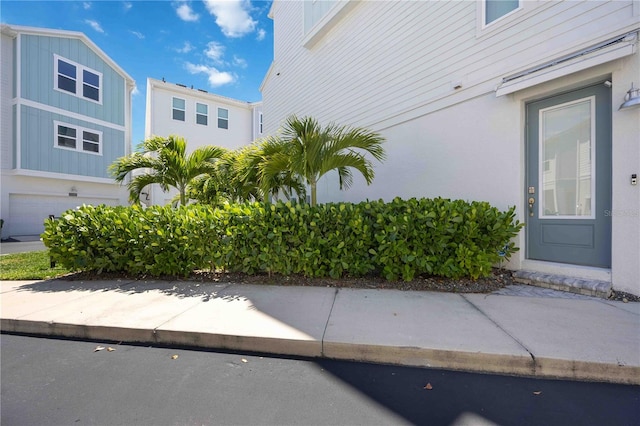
x=224 y=47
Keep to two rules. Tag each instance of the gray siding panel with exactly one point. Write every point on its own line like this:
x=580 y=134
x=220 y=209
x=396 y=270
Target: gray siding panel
x=39 y=153
x=38 y=80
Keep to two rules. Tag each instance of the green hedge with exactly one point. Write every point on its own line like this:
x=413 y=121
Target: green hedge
x=400 y=239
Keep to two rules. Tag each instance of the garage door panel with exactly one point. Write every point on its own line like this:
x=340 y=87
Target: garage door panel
x=27 y=213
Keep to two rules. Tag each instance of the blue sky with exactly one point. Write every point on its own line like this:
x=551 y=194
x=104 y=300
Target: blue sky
x=224 y=47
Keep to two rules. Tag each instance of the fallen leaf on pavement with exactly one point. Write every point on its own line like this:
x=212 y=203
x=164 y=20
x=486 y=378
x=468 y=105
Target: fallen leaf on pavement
x=537 y=392
x=110 y=349
x=428 y=386
x=244 y=360
x=174 y=356
x=98 y=348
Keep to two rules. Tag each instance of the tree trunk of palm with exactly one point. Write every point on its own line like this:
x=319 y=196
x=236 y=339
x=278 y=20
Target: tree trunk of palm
x=183 y=198
x=314 y=198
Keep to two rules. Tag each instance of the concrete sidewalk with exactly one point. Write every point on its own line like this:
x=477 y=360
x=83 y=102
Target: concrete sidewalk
x=580 y=339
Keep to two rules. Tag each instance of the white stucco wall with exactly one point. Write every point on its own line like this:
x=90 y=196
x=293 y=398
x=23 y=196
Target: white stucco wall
x=161 y=123
x=469 y=158
x=626 y=197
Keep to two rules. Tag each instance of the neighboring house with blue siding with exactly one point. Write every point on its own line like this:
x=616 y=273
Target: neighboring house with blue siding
x=66 y=116
x=514 y=102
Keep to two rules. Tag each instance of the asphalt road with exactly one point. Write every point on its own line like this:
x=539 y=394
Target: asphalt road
x=63 y=382
x=21 y=246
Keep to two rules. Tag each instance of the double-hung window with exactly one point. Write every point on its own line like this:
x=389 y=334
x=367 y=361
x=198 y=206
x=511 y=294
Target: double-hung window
x=223 y=118
x=260 y=123
x=202 y=114
x=75 y=138
x=179 y=108
x=78 y=80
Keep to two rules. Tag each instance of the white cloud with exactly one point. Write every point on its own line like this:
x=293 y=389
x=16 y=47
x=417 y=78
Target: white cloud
x=239 y=62
x=185 y=13
x=214 y=51
x=135 y=91
x=261 y=34
x=216 y=78
x=186 y=48
x=232 y=16
x=127 y=5
x=94 y=24
x=137 y=34
x=86 y=5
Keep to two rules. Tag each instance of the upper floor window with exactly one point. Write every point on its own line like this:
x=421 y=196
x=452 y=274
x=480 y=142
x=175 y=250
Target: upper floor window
x=223 y=118
x=77 y=138
x=78 y=80
x=260 y=123
x=202 y=114
x=496 y=9
x=179 y=108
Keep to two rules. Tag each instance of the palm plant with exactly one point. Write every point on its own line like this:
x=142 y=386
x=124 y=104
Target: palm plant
x=307 y=150
x=227 y=183
x=269 y=152
x=167 y=164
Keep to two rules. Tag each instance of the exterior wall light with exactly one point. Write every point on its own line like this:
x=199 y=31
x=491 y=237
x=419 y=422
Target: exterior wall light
x=631 y=99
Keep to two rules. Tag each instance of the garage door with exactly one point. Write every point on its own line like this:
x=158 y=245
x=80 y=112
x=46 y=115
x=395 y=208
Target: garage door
x=27 y=213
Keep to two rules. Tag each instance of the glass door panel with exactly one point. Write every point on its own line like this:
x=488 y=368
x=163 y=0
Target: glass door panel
x=567 y=150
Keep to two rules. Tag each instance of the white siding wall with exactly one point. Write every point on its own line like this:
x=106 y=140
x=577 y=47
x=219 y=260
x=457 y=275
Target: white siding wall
x=160 y=122
x=386 y=62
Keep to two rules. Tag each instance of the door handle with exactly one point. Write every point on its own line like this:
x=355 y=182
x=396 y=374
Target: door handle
x=532 y=201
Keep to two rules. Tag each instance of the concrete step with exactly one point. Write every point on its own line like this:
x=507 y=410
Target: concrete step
x=585 y=286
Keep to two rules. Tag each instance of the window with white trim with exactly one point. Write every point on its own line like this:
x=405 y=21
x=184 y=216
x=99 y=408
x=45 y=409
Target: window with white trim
x=78 y=80
x=179 y=109
x=76 y=138
x=260 y=123
x=202 y=114
x=223 y=118
x=494 y=10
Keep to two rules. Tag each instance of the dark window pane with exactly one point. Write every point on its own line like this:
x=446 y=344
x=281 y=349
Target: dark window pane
x=66 y=131
x=223 y=124
x=90 y=78
x=201 y=119
x=66 y=142
x=67 y=84
x=90 y=146
x=93 y=137
x=178 y=115
x=90 y=92
x=66 y=69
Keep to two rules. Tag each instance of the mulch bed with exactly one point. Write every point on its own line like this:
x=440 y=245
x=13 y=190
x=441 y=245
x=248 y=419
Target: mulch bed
x=498 y=279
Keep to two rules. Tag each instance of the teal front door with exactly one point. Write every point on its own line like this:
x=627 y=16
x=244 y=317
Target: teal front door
x=568 y=179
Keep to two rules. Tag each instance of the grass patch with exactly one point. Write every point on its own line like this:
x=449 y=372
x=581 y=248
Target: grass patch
x=29 y=266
